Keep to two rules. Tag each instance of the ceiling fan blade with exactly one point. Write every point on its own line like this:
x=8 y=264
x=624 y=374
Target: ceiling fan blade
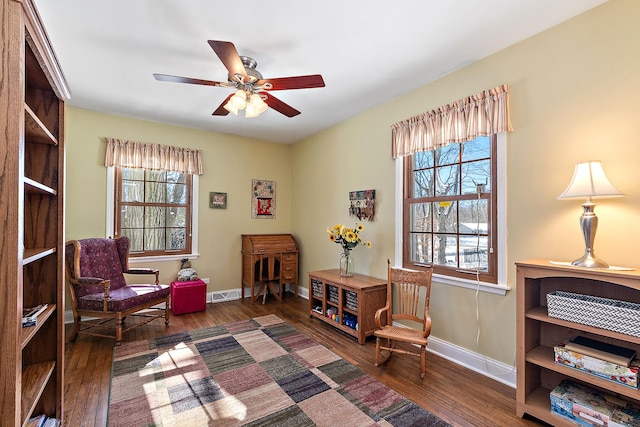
x=280 y=106
x=228 y=54
x=178 y=79
x=221 y=111
x=296 y=82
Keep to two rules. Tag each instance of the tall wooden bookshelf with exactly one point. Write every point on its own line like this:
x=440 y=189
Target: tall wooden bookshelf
x=32 y=96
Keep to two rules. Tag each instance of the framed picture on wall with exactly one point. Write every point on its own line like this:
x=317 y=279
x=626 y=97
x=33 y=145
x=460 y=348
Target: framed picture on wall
x=263 y=199
x=218 y=200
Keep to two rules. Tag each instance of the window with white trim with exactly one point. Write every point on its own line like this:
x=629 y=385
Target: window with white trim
x=153 y=209
x=450 y=209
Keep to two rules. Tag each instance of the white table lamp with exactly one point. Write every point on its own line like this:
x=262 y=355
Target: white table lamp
x=589 y=182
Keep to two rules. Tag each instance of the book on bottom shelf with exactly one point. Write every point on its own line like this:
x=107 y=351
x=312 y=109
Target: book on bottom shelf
x=42 y=421
x=590 y=407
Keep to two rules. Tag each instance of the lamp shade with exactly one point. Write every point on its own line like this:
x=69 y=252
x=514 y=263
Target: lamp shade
x=589 y=181
x=230 y=108
x=239 y=100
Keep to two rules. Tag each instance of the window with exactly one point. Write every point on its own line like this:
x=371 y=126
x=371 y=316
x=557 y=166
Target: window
x=450 y=209
x=154 y=209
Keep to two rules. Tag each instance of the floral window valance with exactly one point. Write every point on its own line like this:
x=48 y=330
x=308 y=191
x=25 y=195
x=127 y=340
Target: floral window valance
x=483 y=114
x=152 y=156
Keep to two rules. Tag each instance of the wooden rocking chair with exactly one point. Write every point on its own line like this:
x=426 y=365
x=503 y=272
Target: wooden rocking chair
x=411 y=304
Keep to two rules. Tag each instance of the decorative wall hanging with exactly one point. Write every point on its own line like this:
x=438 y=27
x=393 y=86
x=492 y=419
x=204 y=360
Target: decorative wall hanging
x=362 y=204
x=263 y=199
x=218 y=200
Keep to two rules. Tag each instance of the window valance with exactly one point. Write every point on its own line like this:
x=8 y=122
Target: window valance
x=152 y=156
x=483 y=114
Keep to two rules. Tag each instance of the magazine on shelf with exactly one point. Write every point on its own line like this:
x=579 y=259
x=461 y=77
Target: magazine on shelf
x=29 y=323
x=30 y=315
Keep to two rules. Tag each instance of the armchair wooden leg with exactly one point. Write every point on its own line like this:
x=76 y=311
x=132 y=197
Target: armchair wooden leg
x=423 y=361
x=118 y=330
x=76 y=328
x=166 y=313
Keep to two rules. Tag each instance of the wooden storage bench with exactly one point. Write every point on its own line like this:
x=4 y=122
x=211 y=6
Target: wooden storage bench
x=353 y=299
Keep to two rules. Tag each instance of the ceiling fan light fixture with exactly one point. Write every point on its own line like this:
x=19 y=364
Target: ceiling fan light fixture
x=230 y=108
x=256 y=102
x=239 y=100
x=251 y=112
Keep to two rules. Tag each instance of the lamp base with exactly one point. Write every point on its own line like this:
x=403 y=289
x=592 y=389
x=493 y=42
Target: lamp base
x=588 y=260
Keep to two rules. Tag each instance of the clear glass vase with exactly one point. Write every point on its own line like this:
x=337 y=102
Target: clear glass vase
x=346 y=264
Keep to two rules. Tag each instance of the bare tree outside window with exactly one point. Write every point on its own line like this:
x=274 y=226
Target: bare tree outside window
x=450 y=209
x=153 y=209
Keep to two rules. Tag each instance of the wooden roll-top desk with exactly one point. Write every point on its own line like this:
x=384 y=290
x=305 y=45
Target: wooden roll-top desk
x=256 y=247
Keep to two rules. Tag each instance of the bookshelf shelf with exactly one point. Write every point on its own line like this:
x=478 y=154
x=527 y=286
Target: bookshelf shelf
x=33 y=255
x=34 y=380
x=29 y=332
x=537 y=333
x=544 y=357
x=33 y=186
x=540 y=314
x=35 y=130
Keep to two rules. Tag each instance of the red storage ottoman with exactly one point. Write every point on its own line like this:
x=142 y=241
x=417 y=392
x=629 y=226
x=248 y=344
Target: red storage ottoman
x=188 y=297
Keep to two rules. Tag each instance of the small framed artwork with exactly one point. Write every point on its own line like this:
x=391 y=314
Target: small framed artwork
x=218 y=200
x=362 y=204
x=263 y=199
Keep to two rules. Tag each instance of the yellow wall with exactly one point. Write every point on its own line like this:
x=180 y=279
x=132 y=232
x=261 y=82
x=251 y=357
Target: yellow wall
x=573 y=98
x=230 y=163
x=574 y=91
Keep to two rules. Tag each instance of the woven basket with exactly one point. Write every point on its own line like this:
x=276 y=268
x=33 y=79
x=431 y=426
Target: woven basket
x=317 y=287
x=333 y=293
x=352 y=300
x=610 y=314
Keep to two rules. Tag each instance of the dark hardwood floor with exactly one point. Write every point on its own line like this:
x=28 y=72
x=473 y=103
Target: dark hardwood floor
x=457 y=395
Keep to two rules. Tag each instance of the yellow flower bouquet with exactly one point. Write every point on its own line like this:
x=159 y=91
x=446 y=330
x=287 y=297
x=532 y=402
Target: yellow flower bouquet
x=348 y=238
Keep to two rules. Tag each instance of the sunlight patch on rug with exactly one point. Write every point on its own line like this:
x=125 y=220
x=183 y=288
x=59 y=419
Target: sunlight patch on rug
x=256 y=372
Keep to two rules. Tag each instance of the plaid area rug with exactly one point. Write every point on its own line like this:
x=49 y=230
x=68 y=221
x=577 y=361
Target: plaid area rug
x=258 y=372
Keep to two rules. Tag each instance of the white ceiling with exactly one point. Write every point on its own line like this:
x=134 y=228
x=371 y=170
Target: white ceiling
x=368 y=52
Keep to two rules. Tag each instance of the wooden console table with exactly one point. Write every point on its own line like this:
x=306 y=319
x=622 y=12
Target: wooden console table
x=352 y=298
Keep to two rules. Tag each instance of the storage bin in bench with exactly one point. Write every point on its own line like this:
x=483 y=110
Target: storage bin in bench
x=188 y=297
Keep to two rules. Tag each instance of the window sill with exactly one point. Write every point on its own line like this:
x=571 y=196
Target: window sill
x=472 y=284
x=161 y=258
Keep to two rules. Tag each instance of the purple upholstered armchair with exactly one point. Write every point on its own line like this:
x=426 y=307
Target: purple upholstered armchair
x=97 y=287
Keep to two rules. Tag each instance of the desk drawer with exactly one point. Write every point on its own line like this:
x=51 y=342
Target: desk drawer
x=289 y=272
x=288 y=258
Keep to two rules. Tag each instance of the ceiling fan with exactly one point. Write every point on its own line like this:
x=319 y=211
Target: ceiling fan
x=252 y=90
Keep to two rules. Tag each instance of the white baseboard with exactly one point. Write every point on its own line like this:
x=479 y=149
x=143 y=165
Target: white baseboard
x=477 y=362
